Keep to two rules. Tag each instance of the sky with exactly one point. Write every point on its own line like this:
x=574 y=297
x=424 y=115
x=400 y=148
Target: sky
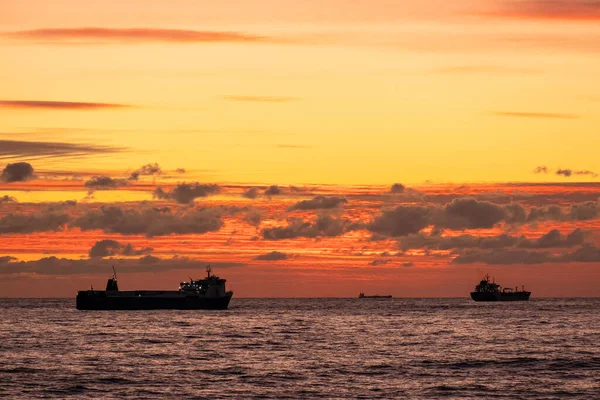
x=303 y=149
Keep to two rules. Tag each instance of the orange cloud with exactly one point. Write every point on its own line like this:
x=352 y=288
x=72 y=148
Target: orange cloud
x=134 y=35
x=57 y=105
x=518 y=114
x=261 y=99
x=578 y=10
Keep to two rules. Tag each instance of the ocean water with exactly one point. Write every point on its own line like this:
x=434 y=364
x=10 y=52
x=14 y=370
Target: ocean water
x=304 y=348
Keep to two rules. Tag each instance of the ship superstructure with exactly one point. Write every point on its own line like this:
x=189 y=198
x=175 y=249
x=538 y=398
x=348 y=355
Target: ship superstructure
x=491 y=291
x=208 y=293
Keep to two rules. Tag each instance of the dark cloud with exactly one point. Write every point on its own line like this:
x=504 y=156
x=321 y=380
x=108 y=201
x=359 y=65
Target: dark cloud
x=577 y=10
x=397 y=188
x=469 y=213
x=380 y=262
x=324 y=226
x=104 y=182
x=555 y=239
x=134 y=35
x=17 y=172
x=319 y=202
x=564 y=172
x=35 y=222
x=541 y=170
x=272 y=256
x=262 y=99
x=180 y=170
x=14 y=149
x=151 y=221
x=110 y=248
x=57 y=105
x=576 y=212
x=401 y=221
x=516 y=114
x=273 y=190
x=251 y=193
x=584 y=211
x=64 y=266
x=146 y=170
x=253 y=217
x=567 y=172
x=186 y=193
x=519 y=256
x=552 y=239
x=7 y=199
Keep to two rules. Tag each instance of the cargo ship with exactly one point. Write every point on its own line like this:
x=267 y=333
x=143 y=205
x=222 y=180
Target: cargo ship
x=491 y=291
x=203 y=294
x=362 y=296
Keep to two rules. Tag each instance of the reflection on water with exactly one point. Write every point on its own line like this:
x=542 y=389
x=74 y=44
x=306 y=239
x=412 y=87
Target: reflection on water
x=304 y=348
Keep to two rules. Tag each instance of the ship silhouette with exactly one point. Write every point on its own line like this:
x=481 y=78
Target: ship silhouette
x=491 y=291
x=203 y=294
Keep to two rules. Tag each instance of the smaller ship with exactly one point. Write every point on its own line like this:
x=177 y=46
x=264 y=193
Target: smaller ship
x=491 y=291
x=362 y=296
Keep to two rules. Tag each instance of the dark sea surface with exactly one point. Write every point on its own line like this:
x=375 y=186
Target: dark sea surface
x=304 y=348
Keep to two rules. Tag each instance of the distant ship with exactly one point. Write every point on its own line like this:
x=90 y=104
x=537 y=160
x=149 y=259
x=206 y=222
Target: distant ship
x=490 y=291
x=204 y=294
x=362 y=296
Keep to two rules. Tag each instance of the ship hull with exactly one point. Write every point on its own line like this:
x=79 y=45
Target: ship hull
x=100 y=300
x=483 y=296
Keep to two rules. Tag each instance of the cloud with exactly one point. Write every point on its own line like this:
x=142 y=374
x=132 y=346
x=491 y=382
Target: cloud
x=64 y=266
x=180 y=170
x=261 y=99
x=485 y=69
x=564 y=172
x=518 y=256
x=36 y=222
x=552 y=239
x=461 y=213
x=469 y=213
x=380 y=262
x=7 y=199
x=541 y=170
x=516 y=114
x=567 y=172
x=146 y=170
x=135 y=36
x=296 y=228
x=575 y=10
x=17 y=172
x=319 y=202
x=109 y=248
x=185 y=193
x=251 y=193
x=397 y=188
x=104 y=182
x=58 y=105
x=273 y=190
x=272 y=256
x=253 y=217
x=401 y=221
x=555 y=239
x=151 y=221
x=11 y=149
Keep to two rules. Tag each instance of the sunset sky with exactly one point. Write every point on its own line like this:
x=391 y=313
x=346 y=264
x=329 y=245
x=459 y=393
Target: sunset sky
x=302 y=148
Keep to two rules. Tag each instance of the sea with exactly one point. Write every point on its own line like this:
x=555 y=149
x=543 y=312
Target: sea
x=304 y=349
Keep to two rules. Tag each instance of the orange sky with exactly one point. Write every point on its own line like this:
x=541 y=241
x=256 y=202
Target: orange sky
x=346 y=97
